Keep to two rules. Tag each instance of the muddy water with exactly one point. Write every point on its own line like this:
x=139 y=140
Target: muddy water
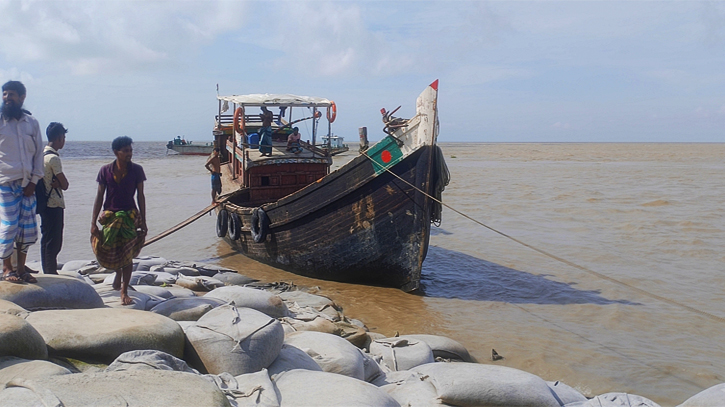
x=640 y=311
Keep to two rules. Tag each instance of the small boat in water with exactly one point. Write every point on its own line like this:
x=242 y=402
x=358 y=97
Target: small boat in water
x=366 y=222
x=334 y=144
x=184 y=147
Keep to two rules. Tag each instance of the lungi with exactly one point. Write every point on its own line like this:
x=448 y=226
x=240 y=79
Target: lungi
x=17 y=219
x=265 y=140
x=119 y=242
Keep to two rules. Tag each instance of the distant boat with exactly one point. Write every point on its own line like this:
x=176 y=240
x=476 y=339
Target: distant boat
x=184 y=147
x=367 y=222
x=333 y=144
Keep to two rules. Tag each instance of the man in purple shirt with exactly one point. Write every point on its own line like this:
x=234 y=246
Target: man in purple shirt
x=124 y=224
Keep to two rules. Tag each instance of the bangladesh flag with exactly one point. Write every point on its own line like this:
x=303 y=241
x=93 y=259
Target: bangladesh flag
x=385 y=154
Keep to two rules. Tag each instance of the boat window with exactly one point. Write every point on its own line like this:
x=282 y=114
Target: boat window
x=265 y=181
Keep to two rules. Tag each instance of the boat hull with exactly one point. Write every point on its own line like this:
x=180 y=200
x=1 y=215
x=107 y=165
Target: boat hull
x=354 y=225
x=192 y=149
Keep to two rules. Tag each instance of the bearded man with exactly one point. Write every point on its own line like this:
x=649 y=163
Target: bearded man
x=21 y=167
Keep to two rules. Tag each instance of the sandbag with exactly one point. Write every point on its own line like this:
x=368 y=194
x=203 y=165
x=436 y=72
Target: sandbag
x=618 y=400
x=75 y=265
x=144 y=263
x=291 y=358
x=233 y=278
x=137 y=277
x=180 y=292
x=187 y=309
x=10 y=308
x=12 y=367
x=253 y=390
x=100 y=277
x=148 y=360
x=416 y=390
x=103 y=334
x=472 y=384
x=319 y=324
x=163 y=278
x=138 y=388
x=112 y=298
x=160 y=292
x=352 y=333
x=310 y=388
x=233 y=340
x=199 y=283
x=299 y=303
x=443 y=347
x=401 y=353
x=176 y=270
x=564 y=393
x=711 y=397
x=51 y=292
x=332 y=353
x=262 y=301
x=19 y=338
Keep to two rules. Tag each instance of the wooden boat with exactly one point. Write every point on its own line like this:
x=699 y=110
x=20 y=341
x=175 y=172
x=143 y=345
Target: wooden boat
x=334 y=144
x=184 y=147
x=366 y=222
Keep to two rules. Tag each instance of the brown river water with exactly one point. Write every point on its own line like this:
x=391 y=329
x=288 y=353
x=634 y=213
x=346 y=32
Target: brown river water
x=636 y=307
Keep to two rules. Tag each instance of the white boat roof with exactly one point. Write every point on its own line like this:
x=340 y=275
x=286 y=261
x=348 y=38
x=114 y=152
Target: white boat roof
x=268 y=99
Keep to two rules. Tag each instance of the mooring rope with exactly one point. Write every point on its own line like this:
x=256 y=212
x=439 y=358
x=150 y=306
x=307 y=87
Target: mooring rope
x=187 y=222
x=553 y=256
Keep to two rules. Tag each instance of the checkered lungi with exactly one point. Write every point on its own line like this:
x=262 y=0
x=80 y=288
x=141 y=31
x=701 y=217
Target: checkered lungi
x=17 y=219
x=117 y=249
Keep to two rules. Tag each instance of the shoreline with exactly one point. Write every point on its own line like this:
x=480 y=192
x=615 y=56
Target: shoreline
x=304 y=314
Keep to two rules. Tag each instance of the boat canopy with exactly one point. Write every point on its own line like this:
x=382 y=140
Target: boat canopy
x=267 y=99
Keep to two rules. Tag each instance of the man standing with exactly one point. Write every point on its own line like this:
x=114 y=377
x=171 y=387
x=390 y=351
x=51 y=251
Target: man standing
x=21 y=167
x=124 y=223
x=213 y=164
x=265 y=132
x=51 y=219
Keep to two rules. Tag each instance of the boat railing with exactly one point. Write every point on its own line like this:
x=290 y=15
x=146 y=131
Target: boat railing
x=249 y=119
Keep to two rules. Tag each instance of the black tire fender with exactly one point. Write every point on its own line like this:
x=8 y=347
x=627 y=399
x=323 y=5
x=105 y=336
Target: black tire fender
x=221 y=223
x=260 y=225
x=235 y=226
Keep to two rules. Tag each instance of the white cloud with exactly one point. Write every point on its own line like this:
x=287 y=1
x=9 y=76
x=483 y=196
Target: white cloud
x=332 y=38
x=15 y=74
x=90 y=37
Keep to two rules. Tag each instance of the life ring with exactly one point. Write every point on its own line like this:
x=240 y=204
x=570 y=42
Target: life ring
x=235 y=226
x=260 y=225
x=332 y=116
x=221 y=223
x=239 y=120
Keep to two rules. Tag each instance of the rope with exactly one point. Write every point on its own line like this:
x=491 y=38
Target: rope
x=557 y=258
x=187 y=222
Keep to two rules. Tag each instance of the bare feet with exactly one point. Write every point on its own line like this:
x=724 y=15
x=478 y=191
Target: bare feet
x=125 y=299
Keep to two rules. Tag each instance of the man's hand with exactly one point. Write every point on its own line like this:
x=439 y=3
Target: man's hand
x=95 y=231
x=29 y=189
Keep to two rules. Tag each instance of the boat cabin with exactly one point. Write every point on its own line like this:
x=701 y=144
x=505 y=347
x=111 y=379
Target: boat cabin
x=290 y=166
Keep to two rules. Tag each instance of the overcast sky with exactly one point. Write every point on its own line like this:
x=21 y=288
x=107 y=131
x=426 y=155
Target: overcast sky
x=510 y=71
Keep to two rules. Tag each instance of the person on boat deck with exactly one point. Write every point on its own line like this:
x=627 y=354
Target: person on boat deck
x=123 y=224
x=213 y=164
x=265 y=132
x=21 y=167
x=293 y=141
x=52 y=218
